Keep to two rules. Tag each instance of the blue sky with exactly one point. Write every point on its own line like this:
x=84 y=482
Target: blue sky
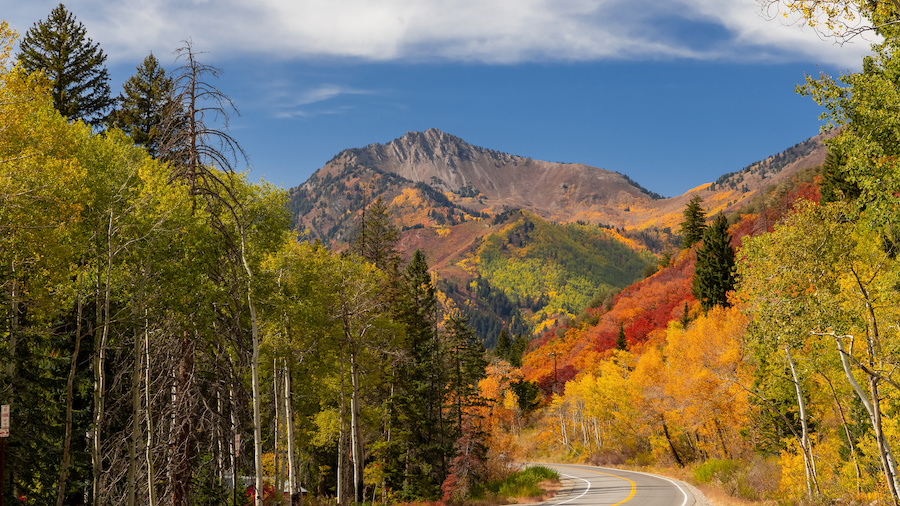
x=672 y=93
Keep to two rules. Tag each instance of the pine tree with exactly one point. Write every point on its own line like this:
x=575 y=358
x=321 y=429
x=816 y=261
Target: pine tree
x=143 y=104
x=519 y=347
x=834 y=186
x=714 y=271
x=377 y=236
x=694 y=223
x=421 y=381
x=75 y=66
x=467 y=365
x=504 y=346
x=621 y=342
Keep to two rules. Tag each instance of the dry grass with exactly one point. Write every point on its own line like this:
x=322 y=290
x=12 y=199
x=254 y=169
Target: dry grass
x=718 y=497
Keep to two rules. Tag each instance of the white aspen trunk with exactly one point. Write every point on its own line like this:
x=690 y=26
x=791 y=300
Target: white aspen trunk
x=151 y=471
x=584 y=431
x=889 y=465
x=254 y=369
x=355 y=449
x=341 y=450
x=277 y=431
x=136 y=436
x=873 y=409
x=235 y=449
x=13 y=322
x=289 y=426
x=99 y=374
x=812 y=484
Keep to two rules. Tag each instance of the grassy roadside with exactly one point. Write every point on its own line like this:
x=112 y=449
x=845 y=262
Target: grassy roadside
x=531 y=485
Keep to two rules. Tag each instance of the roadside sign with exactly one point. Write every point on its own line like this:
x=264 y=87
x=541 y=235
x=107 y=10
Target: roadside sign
x=4 y=418
x=4 y=432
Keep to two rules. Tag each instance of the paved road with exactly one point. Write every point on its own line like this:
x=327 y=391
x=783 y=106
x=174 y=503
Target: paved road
x=601 y=486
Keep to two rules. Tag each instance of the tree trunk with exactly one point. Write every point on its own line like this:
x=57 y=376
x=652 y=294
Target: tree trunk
x=289 y=426
x=70 y=398
x=355 y=444
x=812 y=484
x=148 y=450
x=181 y=463
x=99 y=366
x=341 y=496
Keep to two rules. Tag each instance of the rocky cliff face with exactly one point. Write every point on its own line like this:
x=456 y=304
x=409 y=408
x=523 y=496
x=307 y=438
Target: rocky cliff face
x=441 y=179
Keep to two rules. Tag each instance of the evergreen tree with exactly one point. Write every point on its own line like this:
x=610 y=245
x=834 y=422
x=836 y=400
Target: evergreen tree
x=143 y=104
x=377 y=236
x=421 y=380
x=835 y=186
x=504 y=346
x=694 y=223
x=467 y=365
x=519 y=347
x=75 y=66
x=714 y=271
x=621 y=342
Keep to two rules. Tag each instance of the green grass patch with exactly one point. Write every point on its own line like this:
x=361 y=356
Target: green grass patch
x=523 y=483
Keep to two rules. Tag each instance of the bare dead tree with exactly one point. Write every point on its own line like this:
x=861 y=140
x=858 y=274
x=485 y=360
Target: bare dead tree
x=204 y=155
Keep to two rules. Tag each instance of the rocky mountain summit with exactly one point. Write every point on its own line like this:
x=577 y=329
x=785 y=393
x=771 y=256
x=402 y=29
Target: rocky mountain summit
x=435 y=178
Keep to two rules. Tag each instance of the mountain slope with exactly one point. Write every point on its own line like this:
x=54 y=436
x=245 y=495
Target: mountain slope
x=471 y=180
x=442 y=180
x=581 y=231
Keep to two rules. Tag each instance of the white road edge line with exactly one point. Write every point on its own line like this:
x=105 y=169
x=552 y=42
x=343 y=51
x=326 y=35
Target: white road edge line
x=574 y=498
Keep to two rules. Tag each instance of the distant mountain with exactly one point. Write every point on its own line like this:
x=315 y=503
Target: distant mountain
x=442 y=180
x=517 y=243
x=460 y=179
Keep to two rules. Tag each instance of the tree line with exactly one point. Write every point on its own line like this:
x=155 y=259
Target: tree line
x=164 y=334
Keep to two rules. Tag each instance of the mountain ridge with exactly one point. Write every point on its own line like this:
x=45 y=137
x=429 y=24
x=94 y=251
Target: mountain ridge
x=450 y=199
x=464 y=180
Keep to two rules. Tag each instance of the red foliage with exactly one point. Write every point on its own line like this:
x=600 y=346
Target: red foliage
x=645 y=308
x=563 y=375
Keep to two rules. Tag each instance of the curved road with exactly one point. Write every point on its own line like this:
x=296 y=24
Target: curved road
x=601 y=486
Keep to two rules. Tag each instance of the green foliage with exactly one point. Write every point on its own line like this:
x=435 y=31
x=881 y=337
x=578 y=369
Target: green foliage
x=60 y=48
x=524 y=483
x=716 y=469
x=376 y=237
x=487 y=308
x=621 y=343
x=694 y=224
x=714 y=271
x=834 y=186
x=144 y=103
x=862 y=104
x=568 y=265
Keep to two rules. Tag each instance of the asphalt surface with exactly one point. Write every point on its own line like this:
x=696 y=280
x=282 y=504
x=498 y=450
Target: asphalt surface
x=601 y=486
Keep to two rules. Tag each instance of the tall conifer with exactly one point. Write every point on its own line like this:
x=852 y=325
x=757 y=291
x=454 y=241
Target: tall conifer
x=74 y=64
x=421 y=380
x=144 y=100
x=714 y=271
x=694 y=223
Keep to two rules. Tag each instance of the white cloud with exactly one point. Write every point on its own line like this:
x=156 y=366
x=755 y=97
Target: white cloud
x=289 y=103
x=493 y=31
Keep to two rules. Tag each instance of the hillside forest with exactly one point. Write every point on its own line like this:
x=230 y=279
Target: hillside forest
x=167 y=339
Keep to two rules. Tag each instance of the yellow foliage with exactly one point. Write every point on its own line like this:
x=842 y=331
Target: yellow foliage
x=792 y=485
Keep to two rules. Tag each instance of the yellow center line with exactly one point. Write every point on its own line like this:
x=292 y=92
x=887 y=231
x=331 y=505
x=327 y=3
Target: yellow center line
x=633 y=484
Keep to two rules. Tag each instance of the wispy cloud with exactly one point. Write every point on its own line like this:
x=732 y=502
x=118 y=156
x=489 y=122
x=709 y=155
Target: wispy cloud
x=291 y=102
x=491 y=31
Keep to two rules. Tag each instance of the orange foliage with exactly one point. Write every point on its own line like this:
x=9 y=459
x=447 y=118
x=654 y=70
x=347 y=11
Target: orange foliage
x=705 y=369
x=644 y=310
